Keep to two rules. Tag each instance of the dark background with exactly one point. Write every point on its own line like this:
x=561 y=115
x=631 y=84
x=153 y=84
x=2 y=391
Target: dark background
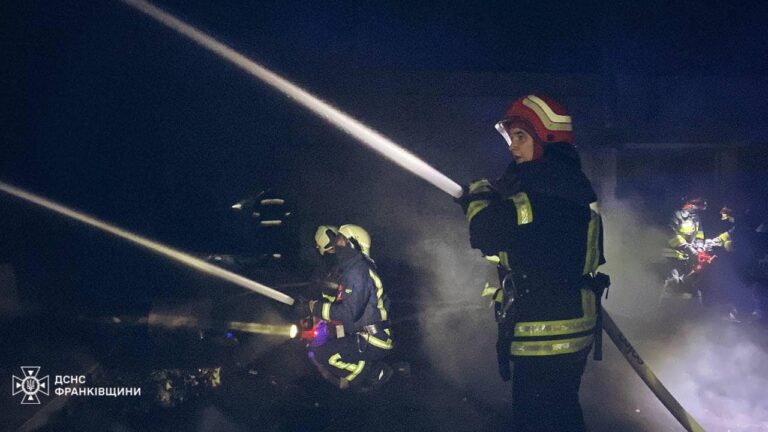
x=108 y=112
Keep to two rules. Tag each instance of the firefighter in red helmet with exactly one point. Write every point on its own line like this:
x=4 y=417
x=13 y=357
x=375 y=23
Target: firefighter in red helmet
x=540 y=223
x=683 y=249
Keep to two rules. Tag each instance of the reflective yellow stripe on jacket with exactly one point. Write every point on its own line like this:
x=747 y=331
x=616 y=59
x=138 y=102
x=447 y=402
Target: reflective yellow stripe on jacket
x=529 y=335
x=592 y=260
x=676 y=241
x=537 y=338
x=378 y=343
x=727 y=241
x=523 y=207
x=676 y=254
x=476 y=206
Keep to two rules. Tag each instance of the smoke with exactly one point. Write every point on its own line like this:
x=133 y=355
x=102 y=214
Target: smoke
x=633 y=249
x=714 y=368
x=458 y=331
x=719 y=369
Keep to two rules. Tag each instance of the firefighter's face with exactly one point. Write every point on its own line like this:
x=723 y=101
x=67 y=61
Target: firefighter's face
x=341 y=241
x=521 y=145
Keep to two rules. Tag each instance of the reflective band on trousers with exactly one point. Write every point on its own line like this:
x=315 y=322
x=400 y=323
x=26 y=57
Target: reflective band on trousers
x=562 y=327
x=542 y=348
x=378 y=343
x=335 y=361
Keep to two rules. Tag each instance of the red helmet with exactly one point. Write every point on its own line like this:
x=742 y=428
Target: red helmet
x=547 y=119
x=695 y=204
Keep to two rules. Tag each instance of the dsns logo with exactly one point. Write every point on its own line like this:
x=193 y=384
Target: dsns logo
x=30 y=385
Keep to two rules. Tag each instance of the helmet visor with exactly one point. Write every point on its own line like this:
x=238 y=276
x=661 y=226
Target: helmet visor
x=502 y=128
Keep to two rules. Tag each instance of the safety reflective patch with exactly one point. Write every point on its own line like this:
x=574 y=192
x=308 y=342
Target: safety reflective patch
x=523 y=206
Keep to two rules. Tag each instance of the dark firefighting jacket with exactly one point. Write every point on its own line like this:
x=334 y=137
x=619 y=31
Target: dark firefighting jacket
x=541 y=220
x=360 y=304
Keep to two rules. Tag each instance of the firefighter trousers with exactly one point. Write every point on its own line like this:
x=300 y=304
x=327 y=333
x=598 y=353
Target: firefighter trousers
x=545 y=392
x=350 y=359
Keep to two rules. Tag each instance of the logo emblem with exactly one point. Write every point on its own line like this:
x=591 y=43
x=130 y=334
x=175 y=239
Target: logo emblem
x=30 y=385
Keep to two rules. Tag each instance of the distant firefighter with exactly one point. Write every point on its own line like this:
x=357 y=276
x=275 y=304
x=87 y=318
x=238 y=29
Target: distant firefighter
x=686 y=250
x=750 y=253
x=351 y=332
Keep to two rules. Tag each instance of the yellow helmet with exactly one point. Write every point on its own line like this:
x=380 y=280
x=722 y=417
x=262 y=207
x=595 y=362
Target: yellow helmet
x=358 y=236
x=324 y=237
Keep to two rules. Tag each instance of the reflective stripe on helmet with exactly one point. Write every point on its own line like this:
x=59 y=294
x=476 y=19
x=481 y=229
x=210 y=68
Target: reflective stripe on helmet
x=548 y=117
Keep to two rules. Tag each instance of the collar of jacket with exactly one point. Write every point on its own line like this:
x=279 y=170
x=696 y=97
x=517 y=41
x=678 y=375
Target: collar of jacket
x=557 y=173
x=345 y=262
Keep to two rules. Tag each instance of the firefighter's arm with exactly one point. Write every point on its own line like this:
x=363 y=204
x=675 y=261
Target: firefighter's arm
x=477 y=195
x=348 y=305
x=481 y=205
x=723 y=240
x=498 y=224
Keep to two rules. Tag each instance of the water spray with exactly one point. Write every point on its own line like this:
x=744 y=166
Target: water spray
x=391 y=151
x=166 y=251
x=172 y=322
x=332 y=115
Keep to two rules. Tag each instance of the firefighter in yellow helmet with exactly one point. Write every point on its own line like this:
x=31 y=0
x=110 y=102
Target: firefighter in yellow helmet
x=353 y=312
x=540 y=223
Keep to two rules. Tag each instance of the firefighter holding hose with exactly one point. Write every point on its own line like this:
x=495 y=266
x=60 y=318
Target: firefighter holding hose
x=352 y=332
x=540 y=223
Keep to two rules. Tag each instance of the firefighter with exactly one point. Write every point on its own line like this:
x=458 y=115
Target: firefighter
x=540 y=223
x=744 y=241
x=354 y=333
x=683 y=249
